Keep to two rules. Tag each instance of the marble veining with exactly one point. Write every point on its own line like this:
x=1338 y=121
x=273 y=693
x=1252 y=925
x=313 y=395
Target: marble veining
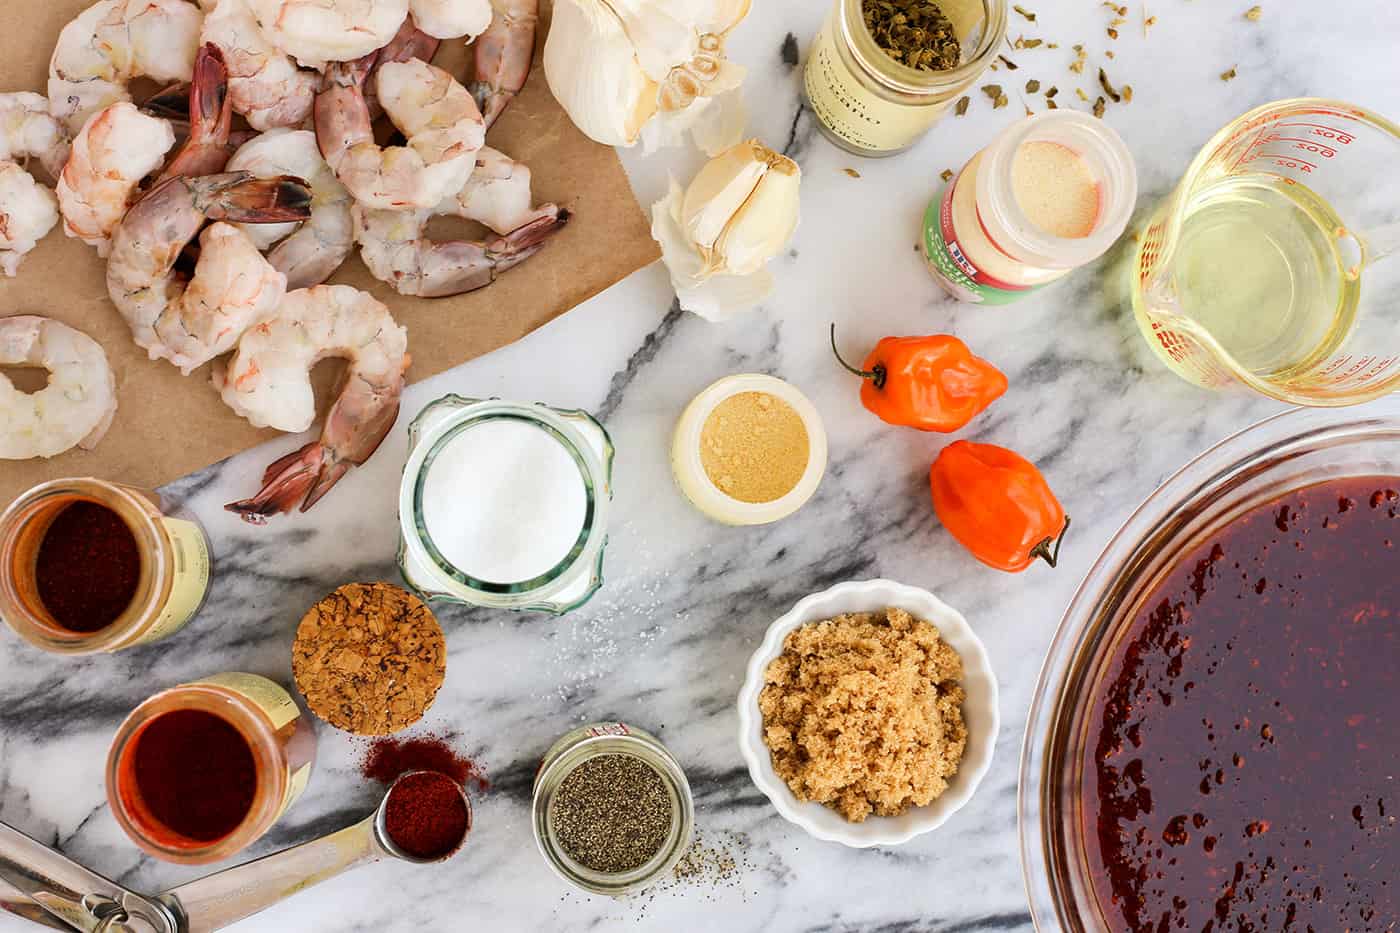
x=686 y=601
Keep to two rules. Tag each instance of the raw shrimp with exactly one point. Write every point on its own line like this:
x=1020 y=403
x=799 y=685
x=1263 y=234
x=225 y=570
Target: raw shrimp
x=395 y=249
x=28 y=210
x=233 y=286
x=77 y=405
x=410 y=42
x=310 y=254
x=205 y=151
x=503 y=55
x=112 y=42
x=265 y=84
x=451 y=19
x=268 y=382
x=115 y=150
x=316 y=32
x=428 y=105
x=497 y=194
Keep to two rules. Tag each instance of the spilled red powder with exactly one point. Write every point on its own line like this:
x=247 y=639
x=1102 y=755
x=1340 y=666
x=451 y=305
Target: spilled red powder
x=389 y=757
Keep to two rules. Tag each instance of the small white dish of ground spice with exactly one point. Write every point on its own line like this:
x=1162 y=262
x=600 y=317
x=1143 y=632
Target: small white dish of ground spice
x=869 y=713
x=749 y=450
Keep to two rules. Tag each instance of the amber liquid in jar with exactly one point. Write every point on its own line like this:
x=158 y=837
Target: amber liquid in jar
x=1243 y=768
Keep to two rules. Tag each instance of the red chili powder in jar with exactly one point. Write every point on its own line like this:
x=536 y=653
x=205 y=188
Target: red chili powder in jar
x=387 y=758
x=195 y=773
x=88 y=567
x=427 y=815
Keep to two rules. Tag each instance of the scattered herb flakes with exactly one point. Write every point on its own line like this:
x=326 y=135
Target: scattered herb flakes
x=1010 y=65
x=1000 y=102
x=790 y=53
x=1032 y=86
x=1080 y=58
x=1253 y=14
x=1109 y=53
x=1032 y=43
x=1148 y=23
x=1052 y=45
x=1229 y=75
x=1099 y=107
x=961 y=107
x=1079 y=92
x=1052 y=105
x=1052 y=92
x=1120 y=10
x=993 y=91
x=1112 y=33
x=1108 y=87
x=1127 y=92
x=852 y=172
x=946 y=174
x=913 y=32
x=1030 y=17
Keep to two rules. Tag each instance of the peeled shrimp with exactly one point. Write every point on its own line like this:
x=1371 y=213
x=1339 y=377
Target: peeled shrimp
x=268 y=382
x=316 y=32
x=265 y=84
x=396 y=251
x=497 y=194
x=114 y=41
x=310 y=254
x=410 y=42
x=503 y=55
x=233 y=286
x=28 y=210
x=428 y=105
x=74 y=409
x=451 y=19
x=115 y=150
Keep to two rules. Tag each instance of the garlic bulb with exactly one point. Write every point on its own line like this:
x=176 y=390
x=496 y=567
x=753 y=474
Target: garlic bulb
x=649 y=70
x=718 y=234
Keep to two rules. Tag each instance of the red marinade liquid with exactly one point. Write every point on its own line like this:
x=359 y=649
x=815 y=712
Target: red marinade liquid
x=1244 y=767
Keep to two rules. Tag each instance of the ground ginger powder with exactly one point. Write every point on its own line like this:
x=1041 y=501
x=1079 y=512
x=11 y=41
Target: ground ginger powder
x=754 y=447
x=863 y=713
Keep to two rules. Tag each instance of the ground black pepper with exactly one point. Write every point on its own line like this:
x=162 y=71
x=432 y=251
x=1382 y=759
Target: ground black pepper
x=612 y=813
x=88 y=567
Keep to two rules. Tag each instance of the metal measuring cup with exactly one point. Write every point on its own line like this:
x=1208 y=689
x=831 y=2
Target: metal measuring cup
x=52 y=889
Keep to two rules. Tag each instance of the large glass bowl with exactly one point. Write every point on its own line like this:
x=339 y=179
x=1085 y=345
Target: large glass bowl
x=1294 y=449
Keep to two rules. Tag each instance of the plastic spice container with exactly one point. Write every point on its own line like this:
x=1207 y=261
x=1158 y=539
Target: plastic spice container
x=505 y=504
x=229 y=753
x=611 y=738
x=869 y=104
x=696 y=482
x=1051 y=193
x=168 y=587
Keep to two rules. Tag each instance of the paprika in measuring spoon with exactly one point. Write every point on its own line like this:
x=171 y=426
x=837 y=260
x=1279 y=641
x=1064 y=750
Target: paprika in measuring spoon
x=427 y=815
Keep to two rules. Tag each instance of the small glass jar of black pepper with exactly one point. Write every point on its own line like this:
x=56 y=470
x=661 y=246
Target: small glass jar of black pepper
x=612 y=811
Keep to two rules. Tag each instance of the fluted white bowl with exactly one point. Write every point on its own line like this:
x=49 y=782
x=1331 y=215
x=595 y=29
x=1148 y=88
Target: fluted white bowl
x=979 y=713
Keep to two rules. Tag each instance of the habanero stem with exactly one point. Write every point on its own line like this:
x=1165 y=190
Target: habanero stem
x=876 y=375
x=1042 y=550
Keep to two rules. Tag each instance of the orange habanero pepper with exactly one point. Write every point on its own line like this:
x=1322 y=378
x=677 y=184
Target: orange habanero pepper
x=930 y=383
x=997 y=505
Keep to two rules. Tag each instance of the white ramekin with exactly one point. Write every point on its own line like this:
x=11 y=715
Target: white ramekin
x=979 y=712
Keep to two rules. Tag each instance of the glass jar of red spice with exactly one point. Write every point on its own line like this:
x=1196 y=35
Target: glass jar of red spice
x=202 y=770
x=89 y=566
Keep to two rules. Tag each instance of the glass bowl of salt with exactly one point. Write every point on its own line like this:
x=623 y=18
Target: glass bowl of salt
x=505 y=504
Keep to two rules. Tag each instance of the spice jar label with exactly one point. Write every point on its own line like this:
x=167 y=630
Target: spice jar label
x=277 y=704
x=190 y=578
x=854 y=113
x=949 y=262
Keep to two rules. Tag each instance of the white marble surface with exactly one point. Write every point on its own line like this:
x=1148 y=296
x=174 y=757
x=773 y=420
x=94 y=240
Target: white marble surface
x=686 y=601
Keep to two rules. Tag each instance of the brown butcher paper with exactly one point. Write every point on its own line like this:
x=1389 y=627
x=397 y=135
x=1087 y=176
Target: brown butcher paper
x=168 y=425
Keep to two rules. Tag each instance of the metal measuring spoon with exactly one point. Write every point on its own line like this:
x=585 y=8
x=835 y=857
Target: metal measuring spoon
x=48 y=880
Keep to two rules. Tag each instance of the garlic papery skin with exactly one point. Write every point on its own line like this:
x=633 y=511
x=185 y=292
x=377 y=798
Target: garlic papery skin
x=718 y=234
x=742 y=207
x=645 y=70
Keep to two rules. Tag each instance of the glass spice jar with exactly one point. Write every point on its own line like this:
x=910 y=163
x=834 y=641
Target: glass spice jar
x=871 y=105
x=168 y=565
x=199 y=772
x=589 y=742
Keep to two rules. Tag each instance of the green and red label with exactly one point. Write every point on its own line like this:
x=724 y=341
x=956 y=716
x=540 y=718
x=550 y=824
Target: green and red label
x=949 y=262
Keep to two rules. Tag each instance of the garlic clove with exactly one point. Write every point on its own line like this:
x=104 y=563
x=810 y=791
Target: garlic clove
x=593 y=72
x=713 y=297
x=719 y=192
x=765 y=221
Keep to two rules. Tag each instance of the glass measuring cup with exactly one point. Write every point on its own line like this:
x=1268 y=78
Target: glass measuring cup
x=1265 y=267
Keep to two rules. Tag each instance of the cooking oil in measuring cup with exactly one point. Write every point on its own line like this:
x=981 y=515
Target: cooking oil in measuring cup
x=1269 y=270
x=1252 y=271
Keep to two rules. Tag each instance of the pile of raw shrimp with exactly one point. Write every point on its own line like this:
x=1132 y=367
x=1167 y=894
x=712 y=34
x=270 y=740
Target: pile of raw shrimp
x=225 y=201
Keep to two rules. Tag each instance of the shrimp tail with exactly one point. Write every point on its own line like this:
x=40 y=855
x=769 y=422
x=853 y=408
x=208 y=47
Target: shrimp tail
x=238 y=197
x=210 y=110
x=464 y=265
x=503 y=56
x=285 y=483
x=169 y=103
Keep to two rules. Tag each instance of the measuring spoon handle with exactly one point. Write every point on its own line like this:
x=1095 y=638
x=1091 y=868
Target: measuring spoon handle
x=217 y=900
